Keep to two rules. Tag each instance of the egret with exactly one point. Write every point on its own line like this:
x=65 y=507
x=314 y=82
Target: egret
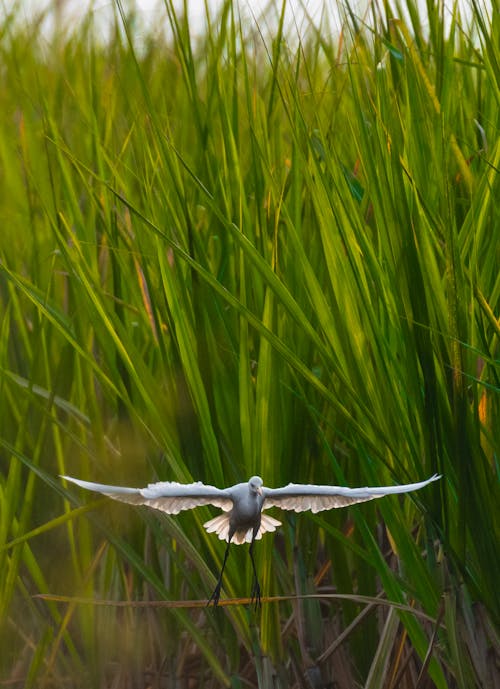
x=242 y=519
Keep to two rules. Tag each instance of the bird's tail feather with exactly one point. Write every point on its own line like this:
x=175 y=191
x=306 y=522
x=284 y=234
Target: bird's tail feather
x=220 y=526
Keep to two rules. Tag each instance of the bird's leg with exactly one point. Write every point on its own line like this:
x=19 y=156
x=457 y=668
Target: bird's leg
x=216 y=594
x=255 y=585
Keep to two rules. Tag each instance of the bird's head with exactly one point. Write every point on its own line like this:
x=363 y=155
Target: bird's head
x=255 y=484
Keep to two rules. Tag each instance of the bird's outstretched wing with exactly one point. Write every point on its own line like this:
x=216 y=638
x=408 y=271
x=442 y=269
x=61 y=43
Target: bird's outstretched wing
x=169 y=497
x=301 y=497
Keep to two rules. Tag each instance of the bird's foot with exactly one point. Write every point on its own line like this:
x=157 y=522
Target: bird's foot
x=214 y=598
x=255 y=595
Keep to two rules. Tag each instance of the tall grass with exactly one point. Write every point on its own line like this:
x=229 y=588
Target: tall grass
x=240 y=254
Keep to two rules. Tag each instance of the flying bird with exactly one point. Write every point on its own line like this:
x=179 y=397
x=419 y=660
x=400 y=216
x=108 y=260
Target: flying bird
x=242 y=519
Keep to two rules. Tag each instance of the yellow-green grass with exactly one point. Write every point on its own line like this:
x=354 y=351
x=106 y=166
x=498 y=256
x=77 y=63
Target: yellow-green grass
x=251 y=253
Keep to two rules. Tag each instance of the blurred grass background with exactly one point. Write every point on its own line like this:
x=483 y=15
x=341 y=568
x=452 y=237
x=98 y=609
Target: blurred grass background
x=251 y=253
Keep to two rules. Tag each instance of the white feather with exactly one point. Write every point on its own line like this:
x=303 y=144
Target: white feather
x=167 y=496
x=302 y=497
x=220 y=526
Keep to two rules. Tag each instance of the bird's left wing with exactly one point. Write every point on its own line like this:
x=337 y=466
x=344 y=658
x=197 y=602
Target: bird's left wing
x=301 y=497
x=167 y=496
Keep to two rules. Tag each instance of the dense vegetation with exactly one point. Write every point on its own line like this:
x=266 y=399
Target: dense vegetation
x=251 y=253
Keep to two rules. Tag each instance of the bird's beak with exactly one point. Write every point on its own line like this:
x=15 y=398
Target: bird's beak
x=259 y=490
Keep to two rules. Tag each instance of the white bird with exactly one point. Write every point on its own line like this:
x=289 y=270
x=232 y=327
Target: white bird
x=242 y=519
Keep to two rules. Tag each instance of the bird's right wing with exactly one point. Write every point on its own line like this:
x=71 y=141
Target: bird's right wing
x=167 y=496
x=301 y=497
